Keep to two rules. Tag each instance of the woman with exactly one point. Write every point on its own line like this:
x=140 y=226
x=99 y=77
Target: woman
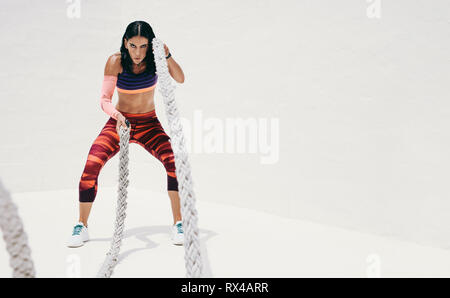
x=133 y=71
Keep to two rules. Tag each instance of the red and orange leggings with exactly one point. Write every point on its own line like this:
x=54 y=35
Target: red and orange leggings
x=146 y=130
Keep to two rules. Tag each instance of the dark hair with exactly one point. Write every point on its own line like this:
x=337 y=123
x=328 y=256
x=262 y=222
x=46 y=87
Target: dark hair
x=138 y=28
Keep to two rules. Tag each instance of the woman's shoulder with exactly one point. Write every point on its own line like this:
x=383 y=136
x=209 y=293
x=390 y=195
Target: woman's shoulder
x=113 y=64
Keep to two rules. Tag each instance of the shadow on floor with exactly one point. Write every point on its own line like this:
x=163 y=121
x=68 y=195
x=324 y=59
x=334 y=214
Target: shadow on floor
x=144 y=234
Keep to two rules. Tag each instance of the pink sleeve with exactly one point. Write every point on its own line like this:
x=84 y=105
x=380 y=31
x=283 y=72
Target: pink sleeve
x=109 y=84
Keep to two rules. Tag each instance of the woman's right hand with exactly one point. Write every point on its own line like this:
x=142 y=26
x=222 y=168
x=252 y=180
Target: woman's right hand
x=121 y=122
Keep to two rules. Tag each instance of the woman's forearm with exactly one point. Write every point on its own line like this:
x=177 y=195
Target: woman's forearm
x=109 y=84
x=175 y=70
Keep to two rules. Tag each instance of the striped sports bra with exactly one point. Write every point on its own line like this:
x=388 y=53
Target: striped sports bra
x=132 y=83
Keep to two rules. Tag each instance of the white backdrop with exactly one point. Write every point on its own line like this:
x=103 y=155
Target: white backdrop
x=348 y=101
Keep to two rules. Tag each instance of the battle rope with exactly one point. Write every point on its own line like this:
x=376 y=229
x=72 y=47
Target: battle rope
x=15 y=237
x=191 y=243
x=112 y=256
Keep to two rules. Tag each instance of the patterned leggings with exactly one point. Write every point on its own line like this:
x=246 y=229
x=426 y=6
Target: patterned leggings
x=146 y=130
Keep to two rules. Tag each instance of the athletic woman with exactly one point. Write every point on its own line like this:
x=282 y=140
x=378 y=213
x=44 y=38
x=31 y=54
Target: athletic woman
x=133 y=71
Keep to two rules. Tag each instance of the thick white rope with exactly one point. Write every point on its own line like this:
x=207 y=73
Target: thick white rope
x=112 y=256
x=15 y=237
x=191 y=243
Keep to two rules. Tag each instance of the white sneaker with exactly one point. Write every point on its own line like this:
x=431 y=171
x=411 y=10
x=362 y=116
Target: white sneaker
x=177 y=233
x=79 y=235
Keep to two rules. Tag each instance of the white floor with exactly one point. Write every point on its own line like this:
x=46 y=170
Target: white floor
x=235 y=242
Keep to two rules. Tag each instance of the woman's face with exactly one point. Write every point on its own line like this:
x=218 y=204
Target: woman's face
x=137 y=47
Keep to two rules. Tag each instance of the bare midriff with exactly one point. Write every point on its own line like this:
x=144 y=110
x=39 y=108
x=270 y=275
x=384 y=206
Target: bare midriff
x=136 y=103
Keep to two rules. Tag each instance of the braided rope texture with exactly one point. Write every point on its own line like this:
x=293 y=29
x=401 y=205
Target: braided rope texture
x=111 y=259
x=15 y=237
x=189 y=214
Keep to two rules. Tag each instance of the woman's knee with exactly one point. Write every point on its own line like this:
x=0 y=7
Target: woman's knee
x=87 y=195
x=89 y=179
x=172 y=183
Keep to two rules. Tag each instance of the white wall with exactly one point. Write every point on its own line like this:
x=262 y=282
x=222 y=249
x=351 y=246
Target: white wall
x=361 y=103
